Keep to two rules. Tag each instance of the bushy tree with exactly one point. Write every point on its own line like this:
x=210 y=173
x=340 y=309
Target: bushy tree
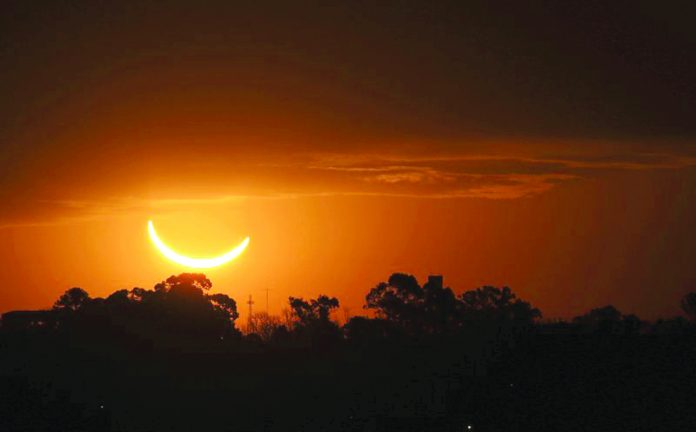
x=608 y=319
x=137 y=294
x=185 y=282
x=323 y=305
x=311 y=319
x=434 y=308
x=178 y=305
x=118 y=299
x=224 y=304
x=72 y=300
x=315 y=311
x=491 y=303
x=398 y=300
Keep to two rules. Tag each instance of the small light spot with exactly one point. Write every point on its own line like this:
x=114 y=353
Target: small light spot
x=468 y=427
x=101 y=406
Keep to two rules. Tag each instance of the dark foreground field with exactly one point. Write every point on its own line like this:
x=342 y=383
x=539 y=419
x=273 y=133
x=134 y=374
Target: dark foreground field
x=171 y=359
x=547 y=382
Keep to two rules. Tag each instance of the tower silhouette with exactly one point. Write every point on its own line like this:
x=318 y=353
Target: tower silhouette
x=250 y=320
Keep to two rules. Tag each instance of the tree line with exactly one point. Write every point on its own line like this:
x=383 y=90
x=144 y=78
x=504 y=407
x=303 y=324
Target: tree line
x=183 y=308
x=175 y=357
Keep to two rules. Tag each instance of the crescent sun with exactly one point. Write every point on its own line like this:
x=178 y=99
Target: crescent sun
x=204 y=263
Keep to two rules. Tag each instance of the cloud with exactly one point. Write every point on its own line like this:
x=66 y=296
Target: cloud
x=483 y=176
x=453 y=176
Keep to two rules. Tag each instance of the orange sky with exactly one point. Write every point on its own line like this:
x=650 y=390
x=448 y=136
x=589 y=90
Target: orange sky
x=348 y=144
x=617 y=235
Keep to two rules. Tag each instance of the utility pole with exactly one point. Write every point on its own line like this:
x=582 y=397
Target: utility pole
x=250 y=320
x=267 y=300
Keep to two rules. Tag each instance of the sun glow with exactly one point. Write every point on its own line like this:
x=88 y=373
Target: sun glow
x=201 y=263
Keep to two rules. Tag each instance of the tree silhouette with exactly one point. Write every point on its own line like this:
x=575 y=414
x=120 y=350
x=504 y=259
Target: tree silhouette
x=301 y=310
x=118 y=299
x=363 y=330
x=311 y=319
x=225 y=304
x=434 y=308
x=266 y=326
x=446 y=357
x=606 y=319
x=183 y=306
x=323 y=306
x=185 y=282
x=313 y=311
x=631 y=324
x=137 y=294
x=688 y=304
x=440 y=306
x=73 y=299
x=398 y=300
x=491 y=303
x=177 y=306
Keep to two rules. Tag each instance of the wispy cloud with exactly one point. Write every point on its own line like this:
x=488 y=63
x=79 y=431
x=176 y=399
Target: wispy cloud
x=457 y=176
x=484 y=176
